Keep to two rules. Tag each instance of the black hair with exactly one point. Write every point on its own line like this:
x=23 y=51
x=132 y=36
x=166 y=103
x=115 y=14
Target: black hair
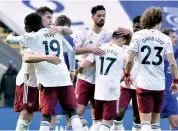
x=42 y=10
x=136 y=19
x=96 y=8
x=33 y=22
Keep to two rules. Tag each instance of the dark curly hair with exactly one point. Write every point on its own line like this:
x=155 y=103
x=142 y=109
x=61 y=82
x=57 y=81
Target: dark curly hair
x=151 y=17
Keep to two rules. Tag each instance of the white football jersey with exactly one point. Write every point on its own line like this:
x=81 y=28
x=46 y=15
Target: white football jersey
x=42 y=42
x=87 y=38
x=151 y=46
x=133 y=71
x=26 y=74
x=109 y=68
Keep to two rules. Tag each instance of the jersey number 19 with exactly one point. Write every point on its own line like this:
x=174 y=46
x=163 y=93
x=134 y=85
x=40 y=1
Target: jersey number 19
x=53 y=45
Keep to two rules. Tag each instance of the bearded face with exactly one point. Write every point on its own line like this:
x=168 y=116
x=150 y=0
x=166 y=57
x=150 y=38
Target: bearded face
x=99 y=18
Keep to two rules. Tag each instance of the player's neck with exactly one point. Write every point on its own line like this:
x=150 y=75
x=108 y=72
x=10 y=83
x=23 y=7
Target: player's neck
x=156 y=27
x=97 y=29
x=116 y=43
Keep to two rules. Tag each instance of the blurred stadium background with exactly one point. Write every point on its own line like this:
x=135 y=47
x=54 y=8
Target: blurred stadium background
x=119 y=14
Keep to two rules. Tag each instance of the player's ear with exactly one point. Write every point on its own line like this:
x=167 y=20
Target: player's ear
x=92 y=16
x=124 y=41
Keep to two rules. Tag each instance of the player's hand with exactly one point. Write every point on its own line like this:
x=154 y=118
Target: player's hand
x=72 y=76
x=53 y=59
x=123 y=31
x=78 y=71
x=127 y=80
x=60 y=29
x=96 y=50
x=174 y=88
x=54 y=30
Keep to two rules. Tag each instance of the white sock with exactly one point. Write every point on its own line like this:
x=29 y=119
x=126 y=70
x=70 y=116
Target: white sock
x=94 y=121
x=96 y=126
x=146 y=126
x=81 y=117
x=156 y=127
x=136 y=127
x=76 y=123
x=44 y=126
x=22 y=125
x=83 y=121
x=118 y=125
x=104 y=127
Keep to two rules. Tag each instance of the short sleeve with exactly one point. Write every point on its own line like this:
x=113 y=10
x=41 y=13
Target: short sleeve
x=134 y=44
x=13 y=39
x=25 y=49
x=107 y=37
x=27 y=44
x=168 y=48
x=91 y=58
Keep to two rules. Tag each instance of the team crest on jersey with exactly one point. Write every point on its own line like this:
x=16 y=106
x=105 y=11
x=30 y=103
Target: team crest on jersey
x=90 y=43
x=30 y=104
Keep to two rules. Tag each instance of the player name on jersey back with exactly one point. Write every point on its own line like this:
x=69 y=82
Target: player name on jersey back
x=42 y=42
x=151 y=47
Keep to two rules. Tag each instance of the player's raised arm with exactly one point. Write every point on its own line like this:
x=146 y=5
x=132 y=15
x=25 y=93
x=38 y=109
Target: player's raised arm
x=79 y=41
x=11 y=39
x=28 y=55
x=35 y=58
x=65 y=30
x=124 y=31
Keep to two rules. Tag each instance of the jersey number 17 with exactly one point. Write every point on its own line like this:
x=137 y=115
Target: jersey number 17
x=112 y=60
